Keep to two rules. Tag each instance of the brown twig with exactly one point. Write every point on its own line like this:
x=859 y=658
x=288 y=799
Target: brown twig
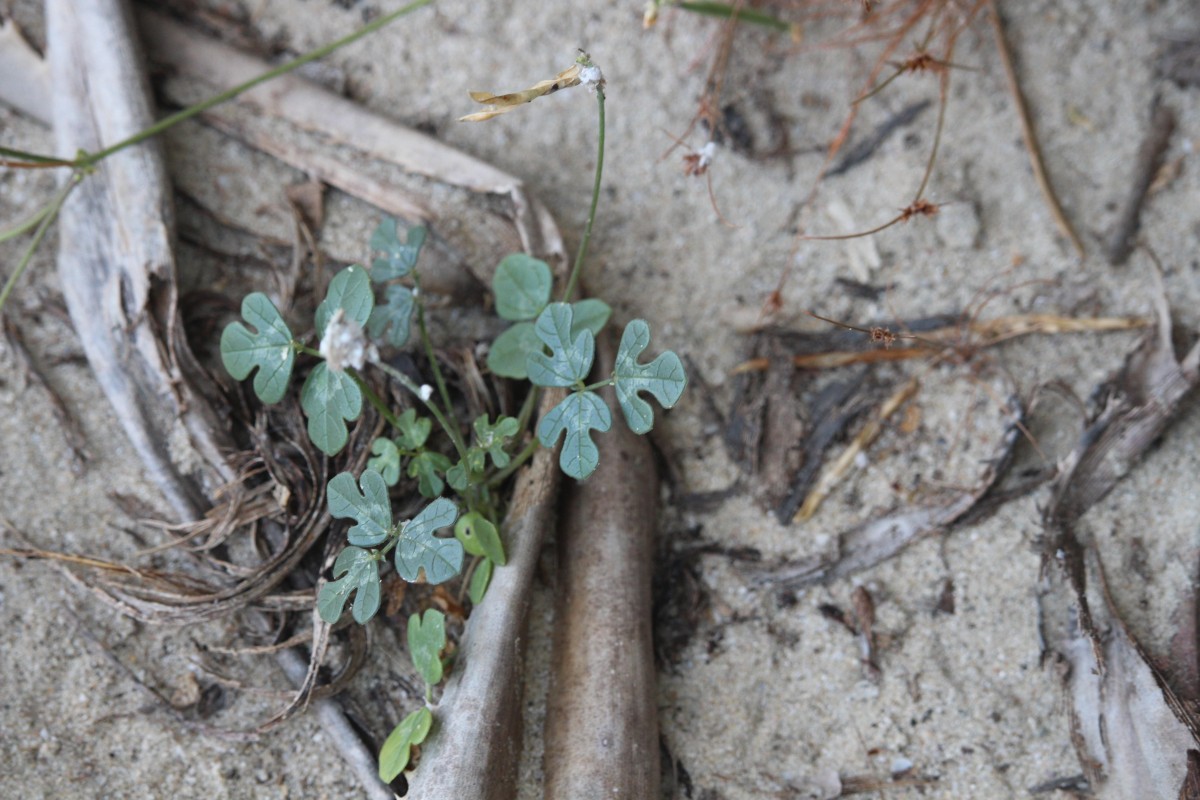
x=1031 y=142
x=1123 y=235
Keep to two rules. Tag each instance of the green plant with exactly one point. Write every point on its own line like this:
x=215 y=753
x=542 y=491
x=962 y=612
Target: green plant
x=552 y=344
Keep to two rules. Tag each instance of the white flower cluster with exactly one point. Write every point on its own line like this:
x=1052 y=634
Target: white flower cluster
x=345 y=344
x=591 y=77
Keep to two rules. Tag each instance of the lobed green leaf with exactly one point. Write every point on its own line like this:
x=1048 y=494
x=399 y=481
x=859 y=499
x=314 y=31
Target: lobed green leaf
x=370 y=508
x=577 y=415
x=522 y=287
x=507 y=355
x=330 y=399
x=663 y=377
x=571 y=354
x=591 y=314
x=268 y=349
x=350 y=290
x=386 y=460
x=491 y=438
x=355 y=570
x=394 y=317
x=397 y=749
x=428 y=467
x=418 y=549
x=399 y=257
x=414 y=430
x=426 y=640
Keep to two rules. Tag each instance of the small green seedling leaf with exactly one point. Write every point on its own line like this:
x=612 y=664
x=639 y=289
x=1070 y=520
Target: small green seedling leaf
x=491 y=438
x=426 y=640
x=350 y=290
x=414 y=431
x=399 y=258
x=269 y=349
x=394 y=317
x=354 y=569
x=479 y=537
x=370 y=508
x=507 y=355
x=591 y=314
x=522 y=287
x=419 y=549
x=663 y=377
x=330 y=399
x=570 y=359
x=428 y=467
x=458 y=477
x=397 y=749
x=386 y=460
x=578 y=414
x=479 y=581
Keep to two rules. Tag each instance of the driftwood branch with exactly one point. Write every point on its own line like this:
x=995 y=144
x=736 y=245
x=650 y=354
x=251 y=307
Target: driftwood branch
x=602 y=714
x=475 y=748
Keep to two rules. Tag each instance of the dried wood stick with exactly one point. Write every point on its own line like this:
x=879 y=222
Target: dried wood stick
x=1123 y=235
x=24 y=76
x=602 y=716
x=474 y=749
x=1031 y=142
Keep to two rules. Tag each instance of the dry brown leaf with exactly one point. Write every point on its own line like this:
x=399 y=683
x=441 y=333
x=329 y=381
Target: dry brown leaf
x=498 y=104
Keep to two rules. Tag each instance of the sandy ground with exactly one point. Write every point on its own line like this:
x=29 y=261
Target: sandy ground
x=767 y=697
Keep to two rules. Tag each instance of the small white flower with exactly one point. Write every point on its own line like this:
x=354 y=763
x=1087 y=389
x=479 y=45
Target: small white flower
x=591 y=77
x=426 y=392
x=345 y=344
x=707 y=153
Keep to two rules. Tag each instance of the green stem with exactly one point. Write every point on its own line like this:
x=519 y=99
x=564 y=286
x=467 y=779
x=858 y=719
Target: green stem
x=726 y=11
x=26 y=224
x=443 y=392
x=48 y=218
x=591 y=387
x=587 y=230
x=27 y=160
x=375 y=400
x=516 y=463
x=407 y=383
x=188 y=113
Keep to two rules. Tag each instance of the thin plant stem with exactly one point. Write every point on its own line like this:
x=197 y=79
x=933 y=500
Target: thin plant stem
x=47 y=220
x=407 y=382
x=443 y=392
x=734 y=13
x=591 y=219
x=516 y=463
x=27 y=160
x=27 y=224
x=187 y=113
x=375 y=400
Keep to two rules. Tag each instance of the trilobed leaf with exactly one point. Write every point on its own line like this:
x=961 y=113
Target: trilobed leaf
x=385 y=460
x=394 y=317
x=397 y=749
x=267 y=349
x=418 y=549
x=330 y=399
x=414 y=430
x=522 y=287
x=591 y=314
x=355 y=570
x=399 y=257
x=491 y=438
x=370 y=508
x=426 y=640
x=428 y=468
x=350 y=290
x=663 y=377
x=570 y=357
x=577 y=415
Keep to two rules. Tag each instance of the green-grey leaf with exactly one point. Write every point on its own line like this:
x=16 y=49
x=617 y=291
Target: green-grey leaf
x=591 y=314
x=663 y=377
x=479 y=581
x=350 y=290
x=397 y=749
x=570 y=359
x=492 y=438
x=428 y=467
x=522 y=287
x=354 y=569
x=479 y=537
x=458 y=477
x=426 y=640
x=506 y=356
x=419 y=549
x=330 y=399
x=269 y=349
x=578 y=414
x=399 y=258
x=414 y=430
x=370 y=508
x=386 y=460
x=393 y=317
